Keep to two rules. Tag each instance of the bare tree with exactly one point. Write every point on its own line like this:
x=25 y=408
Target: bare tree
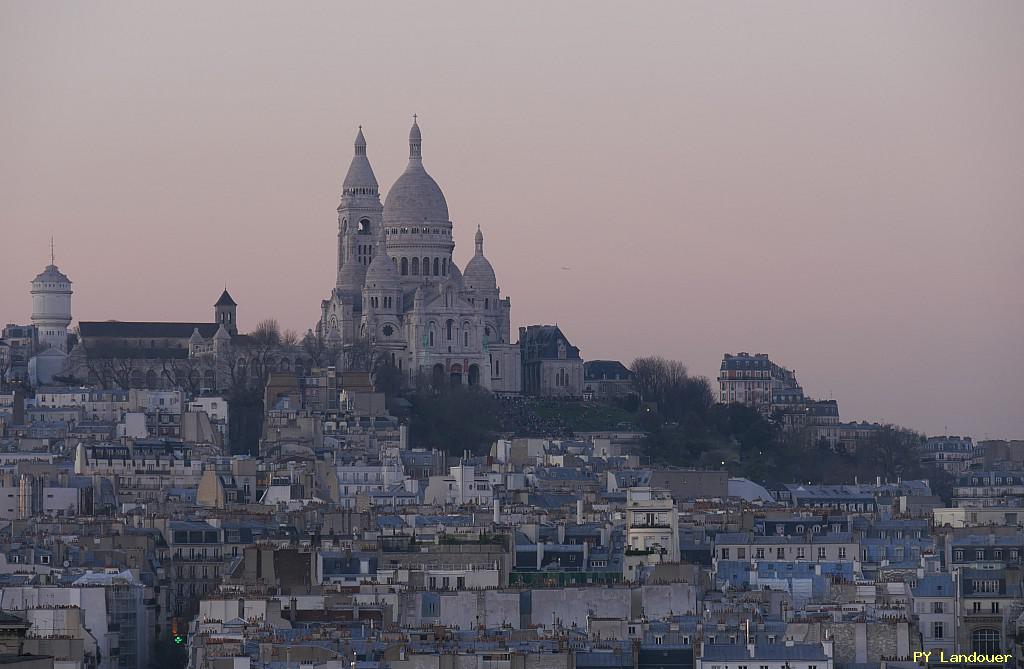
x=183 y=373
x=320 y=350
x=667 y=383
x=261 y=346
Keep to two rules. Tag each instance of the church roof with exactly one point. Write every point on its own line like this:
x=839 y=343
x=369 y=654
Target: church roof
x=144 y=329
x=540 y=342
x=225 y=300
x=415 y=197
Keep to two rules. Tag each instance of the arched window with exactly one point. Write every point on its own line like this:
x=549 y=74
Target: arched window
x=364 y=226
x=487 y=304
x=465 y=338
x=450 y=326
x=430 y=338
x=444 y=266
x=415 y=266
x=426 y=267
x=986 y=640
x=437 y=267
x=497 y=367
x=405 y=266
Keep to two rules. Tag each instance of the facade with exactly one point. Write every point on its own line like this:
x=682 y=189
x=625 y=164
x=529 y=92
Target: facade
x=552 y=366
x=652 y=522
x=399 y=292
x=753 y=380
x=935 y=608
x=18 y=344
x=949 y=453
x=606 y=379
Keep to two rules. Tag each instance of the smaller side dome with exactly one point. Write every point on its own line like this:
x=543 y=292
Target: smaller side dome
x=382 y=272
x=479 y=272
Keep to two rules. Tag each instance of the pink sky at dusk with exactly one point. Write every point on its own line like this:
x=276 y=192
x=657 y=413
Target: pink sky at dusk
x=838 y=184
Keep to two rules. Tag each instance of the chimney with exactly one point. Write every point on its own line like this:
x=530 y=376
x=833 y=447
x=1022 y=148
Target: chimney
x=497 y=511
x=561 y=533
x=540 y=553
x=579 y=512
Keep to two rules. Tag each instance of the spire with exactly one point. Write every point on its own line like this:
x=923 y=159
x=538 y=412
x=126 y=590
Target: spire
x=479 y=239
x=360 y=179
x=52 y=261
x=415 y=141
x=360 y=143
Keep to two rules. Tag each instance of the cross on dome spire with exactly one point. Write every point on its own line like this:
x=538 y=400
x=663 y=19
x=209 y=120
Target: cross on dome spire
x=52 y=261
x=479 y=239
x=415 y=140
x=360 y=143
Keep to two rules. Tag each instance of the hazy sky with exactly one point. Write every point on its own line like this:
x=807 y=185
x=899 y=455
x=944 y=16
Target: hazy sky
x=838 y=184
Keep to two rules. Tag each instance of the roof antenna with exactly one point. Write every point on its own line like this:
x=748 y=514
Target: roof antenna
x=51 y=251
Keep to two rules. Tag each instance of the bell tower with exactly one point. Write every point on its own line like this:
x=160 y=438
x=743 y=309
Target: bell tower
x=359 y=220
x=225 y=312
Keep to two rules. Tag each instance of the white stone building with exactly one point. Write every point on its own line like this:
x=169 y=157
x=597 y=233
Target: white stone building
x=652 y=522
x=51 y=308
x=399 y=290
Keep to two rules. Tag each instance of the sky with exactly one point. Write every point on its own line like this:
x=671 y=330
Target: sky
x=840 y=185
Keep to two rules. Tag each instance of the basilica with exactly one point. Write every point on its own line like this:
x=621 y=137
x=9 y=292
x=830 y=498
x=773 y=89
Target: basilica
x=399 y=291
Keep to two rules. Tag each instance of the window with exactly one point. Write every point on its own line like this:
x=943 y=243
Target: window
x=821 y=552
x=842 y=552
x=725 y=553
x=741 y=553
x=938 y=631
x=759 y=553
x=986 y=640
x=800 y=553
x=405 y=266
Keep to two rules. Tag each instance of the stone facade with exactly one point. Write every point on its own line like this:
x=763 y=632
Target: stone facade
x=399 y=291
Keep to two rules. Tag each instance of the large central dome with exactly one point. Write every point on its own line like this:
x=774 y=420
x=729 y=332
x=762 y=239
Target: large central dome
x=415 y=197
